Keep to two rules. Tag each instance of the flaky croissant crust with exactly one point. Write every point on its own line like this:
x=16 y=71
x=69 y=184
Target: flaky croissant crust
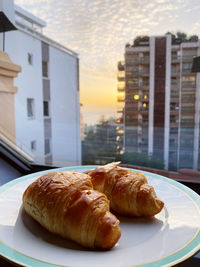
x=66 y=204
x=129 y=193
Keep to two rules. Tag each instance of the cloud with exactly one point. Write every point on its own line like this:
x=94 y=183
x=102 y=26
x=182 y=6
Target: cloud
x=99 y=29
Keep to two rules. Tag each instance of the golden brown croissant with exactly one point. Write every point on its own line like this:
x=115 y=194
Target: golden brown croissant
x=66 y=204
x=128 y=192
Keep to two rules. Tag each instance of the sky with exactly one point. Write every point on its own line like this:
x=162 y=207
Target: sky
x=98 y=31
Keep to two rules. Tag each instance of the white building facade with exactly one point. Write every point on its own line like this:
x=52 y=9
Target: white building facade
x=47 y=105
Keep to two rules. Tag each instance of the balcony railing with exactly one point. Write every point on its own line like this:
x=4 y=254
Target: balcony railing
x=175 y=59
x=186 y=71
x=189 y=84
x=121 y=88
x=144 y=60
x=175 y=72
x=119 y=120
x=137 y=60
x=121 y=65
x=120 y=98
x=175 y=85
x=187 y=59
x=121 y=78
x=144 y=72
x=143 y=109
x=120 y=110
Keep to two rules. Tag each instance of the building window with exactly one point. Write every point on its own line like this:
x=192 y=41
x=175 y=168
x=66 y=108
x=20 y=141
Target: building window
x=45 y=69
x=187 y=66
x=33 y=145
x=46 y=108
x=47 y=147
x=30 y=59
x=30 y=108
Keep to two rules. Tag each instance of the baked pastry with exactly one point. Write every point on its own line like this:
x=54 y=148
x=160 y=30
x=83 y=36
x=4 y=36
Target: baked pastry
x=66 y=204
x=129 y=193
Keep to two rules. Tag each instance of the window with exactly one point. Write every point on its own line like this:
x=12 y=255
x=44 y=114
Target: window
x=30 y=108
x=47 y=147
x=46 y=108
x=188 y=79
x=33 y=145
x=30 y=59
x=187 y=66
x=45 y=69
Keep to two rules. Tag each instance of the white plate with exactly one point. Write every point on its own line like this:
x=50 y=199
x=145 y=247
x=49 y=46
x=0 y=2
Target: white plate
x=170 y=237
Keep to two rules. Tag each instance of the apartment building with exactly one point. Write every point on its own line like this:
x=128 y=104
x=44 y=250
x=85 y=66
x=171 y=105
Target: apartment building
x=161 y=100
x=46 y=105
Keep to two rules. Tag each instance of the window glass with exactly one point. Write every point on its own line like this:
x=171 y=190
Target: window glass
x=33 y=145
x=30 y=59
x=45 y=69
x=30 y=108
x=46 y=108
x=47 y=147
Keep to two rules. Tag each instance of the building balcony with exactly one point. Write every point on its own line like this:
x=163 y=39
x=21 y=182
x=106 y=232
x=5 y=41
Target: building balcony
x=120 y=99
x=132 y=86
x=121 y=78
x=186 y=124
x=145 y=124
x=174 y=94
x=144 y=73
x=173 y=124
x=144 y=111
x=144 y=85
x=143 y=99
x=173 y=148
x=119 y=120
x=144 y=60
x=187 y=72
x=188 y=84
x=137 y=60
x=175 y=73
x=131 y=62
x=188 y=99
x=187 y=59
x=175 y=85
x=130 y=104
x=174 y=112
x=121 y=88
x=175 y=59
x=174 y=99
x=133 y=69
x=121 y=66
x=188 y=112
x=120 y=110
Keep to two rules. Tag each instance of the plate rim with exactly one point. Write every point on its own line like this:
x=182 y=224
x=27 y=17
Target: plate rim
x=187 y=251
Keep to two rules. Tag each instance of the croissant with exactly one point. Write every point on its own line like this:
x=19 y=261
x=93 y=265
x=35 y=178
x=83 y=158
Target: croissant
x=66 y=204
x=129 y=193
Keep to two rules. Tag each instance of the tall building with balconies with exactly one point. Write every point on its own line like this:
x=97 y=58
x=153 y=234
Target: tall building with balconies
x=161 y=100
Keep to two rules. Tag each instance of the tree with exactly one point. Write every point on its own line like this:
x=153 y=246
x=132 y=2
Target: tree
x=181 y=36
x=128 y=45
x=100 y=145
x=193 y=38
x=141 y=38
